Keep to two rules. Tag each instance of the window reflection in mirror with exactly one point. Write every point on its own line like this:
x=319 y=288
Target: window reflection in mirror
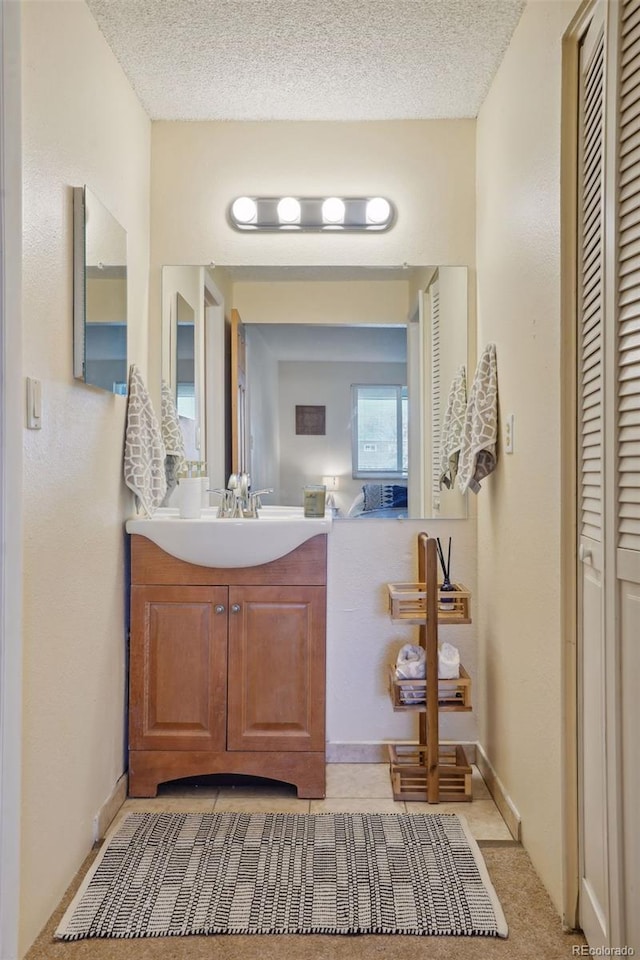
x=365 y=304
x=100 y=295
x=379 y=431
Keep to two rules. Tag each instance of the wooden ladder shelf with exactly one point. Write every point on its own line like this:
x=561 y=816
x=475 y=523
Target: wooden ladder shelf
x=429 y=770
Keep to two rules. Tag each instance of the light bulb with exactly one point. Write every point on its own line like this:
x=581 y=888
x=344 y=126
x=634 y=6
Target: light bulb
x=333 y=210
x=378 y=210
x=289 y=210
x=244 y=210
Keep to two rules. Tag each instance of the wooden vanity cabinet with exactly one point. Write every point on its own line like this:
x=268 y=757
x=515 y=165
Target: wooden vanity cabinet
x=227 y=669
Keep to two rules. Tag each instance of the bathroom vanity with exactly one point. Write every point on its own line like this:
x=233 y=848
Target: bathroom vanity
x=227 y=668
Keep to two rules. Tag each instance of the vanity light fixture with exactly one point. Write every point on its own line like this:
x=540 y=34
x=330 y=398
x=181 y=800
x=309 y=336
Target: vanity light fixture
x=309 y=214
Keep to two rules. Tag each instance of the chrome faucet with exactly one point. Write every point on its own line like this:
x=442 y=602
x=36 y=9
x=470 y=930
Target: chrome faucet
x=238 y=500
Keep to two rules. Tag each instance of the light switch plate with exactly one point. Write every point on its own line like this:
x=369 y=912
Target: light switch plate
x=508 y=433
x=34 y=404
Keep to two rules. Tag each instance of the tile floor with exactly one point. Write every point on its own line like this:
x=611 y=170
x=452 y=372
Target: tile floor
x=351 y=788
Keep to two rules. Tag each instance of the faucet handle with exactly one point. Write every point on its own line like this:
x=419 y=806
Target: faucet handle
x=255 y=501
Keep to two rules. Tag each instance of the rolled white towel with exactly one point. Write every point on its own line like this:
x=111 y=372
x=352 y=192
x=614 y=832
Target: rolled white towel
x=448 y=662
x=410 y=664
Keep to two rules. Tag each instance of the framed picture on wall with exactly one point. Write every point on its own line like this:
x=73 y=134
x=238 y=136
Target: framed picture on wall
x=310 y=420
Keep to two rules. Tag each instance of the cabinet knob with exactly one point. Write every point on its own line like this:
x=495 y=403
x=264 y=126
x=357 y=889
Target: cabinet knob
x=219 y=608
x=235 y=608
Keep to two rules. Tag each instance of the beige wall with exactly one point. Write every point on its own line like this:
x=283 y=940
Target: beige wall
x=339 y=302
x=425 y=167
x=82 y=124
x=518 y=263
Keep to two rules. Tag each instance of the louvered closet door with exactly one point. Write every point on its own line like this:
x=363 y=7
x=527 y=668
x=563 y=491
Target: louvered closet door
x=628 y=447
x=594 y=908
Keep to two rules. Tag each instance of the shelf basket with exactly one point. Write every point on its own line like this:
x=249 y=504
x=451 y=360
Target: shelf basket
x=408 y=603
x=453 y=695
x=408 y=769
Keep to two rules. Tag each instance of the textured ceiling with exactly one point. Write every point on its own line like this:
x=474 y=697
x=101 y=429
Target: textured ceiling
x=308 y=59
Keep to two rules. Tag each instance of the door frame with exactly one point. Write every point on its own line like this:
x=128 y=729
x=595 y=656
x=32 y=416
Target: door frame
x=11 y=424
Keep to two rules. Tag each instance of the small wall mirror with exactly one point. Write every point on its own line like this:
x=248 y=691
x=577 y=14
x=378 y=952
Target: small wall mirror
x=99 y=295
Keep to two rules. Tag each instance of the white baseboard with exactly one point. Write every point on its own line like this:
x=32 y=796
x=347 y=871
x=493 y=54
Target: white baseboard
x=109 y=808
x=501 y=798
x=370 y=751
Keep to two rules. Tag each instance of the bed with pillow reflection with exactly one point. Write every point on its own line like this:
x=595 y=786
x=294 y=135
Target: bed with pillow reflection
x=380 y=500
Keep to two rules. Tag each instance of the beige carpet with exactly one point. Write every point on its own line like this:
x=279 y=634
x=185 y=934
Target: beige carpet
x=535 y=932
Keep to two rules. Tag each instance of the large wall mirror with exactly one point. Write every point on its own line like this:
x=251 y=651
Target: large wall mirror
x=99 y=295
x=345 y=379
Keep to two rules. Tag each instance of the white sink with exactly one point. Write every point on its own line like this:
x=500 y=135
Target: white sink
x=212 y=542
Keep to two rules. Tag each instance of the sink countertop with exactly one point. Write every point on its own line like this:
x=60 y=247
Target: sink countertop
x=211 y=541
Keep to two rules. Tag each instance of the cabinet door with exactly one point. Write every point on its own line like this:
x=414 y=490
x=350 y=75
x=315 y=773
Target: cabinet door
x=178 y=668
x=276 y=668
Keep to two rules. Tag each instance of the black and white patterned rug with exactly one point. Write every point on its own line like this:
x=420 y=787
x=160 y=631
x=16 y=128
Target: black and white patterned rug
x=174 y=874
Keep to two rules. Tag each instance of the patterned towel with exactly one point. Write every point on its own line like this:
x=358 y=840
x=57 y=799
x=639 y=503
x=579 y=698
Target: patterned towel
x=143 y=447
x=173 y=441
x=452 y=429
x=480 y=434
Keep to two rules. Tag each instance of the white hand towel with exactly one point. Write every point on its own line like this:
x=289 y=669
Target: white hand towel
x=410 y=663
x=172 y=439
x=452 y=429
x=480 y=434
x=144 y=451
x=448 y=662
